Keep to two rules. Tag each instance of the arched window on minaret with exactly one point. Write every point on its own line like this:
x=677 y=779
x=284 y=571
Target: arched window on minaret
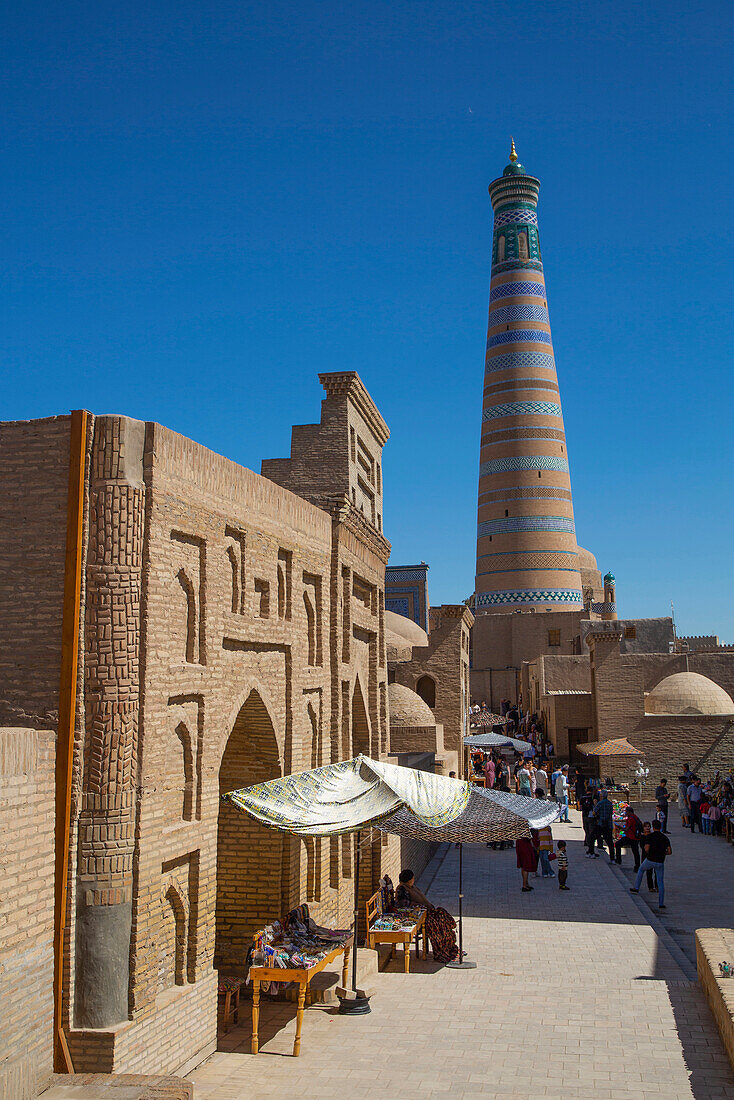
x=500 y=248
x=522 y=245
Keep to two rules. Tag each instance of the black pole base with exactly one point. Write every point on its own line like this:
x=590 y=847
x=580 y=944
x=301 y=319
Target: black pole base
x=462 y=964
x=354 y=1006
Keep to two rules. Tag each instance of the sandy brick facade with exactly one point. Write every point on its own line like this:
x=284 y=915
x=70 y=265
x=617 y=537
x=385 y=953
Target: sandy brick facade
x=27 y=760
x=232 y=631
x=603 y=693
x=439 y=673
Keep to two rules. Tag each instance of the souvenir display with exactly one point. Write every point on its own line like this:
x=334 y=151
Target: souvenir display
x=297 y=943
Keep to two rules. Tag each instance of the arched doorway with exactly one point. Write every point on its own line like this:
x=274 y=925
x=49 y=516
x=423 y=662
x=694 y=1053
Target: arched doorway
x=249 y=856
x=360 y=723
x=426 y=688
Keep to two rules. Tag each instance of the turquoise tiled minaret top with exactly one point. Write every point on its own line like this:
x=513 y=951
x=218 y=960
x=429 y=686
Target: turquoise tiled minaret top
x=526 y=542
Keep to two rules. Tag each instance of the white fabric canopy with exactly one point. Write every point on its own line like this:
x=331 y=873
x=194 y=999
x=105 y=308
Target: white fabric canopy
x=345 y=797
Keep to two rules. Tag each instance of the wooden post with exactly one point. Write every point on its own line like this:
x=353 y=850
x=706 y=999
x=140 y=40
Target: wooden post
x=345 y=967
x=67 y=713
x=299 y=1019
x=255 y=1013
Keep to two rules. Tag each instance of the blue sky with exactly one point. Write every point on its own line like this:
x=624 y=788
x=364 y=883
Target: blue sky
x=206 y=204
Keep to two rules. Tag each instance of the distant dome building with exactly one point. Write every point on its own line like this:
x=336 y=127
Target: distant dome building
x=401 y=634
x=407 y=708
x=688 y=693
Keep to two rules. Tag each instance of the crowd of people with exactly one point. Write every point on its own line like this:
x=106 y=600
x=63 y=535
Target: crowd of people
x=705 y=804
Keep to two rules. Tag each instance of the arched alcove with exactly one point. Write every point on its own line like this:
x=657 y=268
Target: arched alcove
x=426 y=688
x=360 y=723
x=249 y=856
x=190 y=597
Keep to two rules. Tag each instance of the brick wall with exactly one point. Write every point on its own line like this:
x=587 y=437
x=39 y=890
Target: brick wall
x=260 y=639
x=34 y=471
x=446 y=662
x=27 y=761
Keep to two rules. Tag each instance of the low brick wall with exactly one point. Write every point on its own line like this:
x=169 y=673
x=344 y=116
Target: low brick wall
x=715 y=945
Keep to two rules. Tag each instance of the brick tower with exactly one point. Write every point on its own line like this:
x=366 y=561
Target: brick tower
x=527 y=557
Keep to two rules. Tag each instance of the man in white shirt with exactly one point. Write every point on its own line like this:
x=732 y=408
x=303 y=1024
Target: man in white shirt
x=541 y=779
x=561 y=792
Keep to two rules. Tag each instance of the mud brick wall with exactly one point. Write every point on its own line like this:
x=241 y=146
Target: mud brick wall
x=34 y=472
x=446 y=662
x=27 y=761
x=261 y=652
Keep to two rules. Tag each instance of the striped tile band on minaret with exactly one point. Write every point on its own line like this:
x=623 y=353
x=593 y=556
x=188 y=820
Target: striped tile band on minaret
x=526 y=542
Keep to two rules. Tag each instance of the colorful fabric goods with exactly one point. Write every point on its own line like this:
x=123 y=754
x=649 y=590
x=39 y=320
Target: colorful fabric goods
x=440 y=927
x=296 y=944
x=400 y=920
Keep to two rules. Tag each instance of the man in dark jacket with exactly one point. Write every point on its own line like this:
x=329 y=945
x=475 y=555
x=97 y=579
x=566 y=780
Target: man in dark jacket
x=586 y=803
x=603 y=816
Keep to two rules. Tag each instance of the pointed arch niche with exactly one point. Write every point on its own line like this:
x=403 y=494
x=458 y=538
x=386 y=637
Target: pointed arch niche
x=250 y=858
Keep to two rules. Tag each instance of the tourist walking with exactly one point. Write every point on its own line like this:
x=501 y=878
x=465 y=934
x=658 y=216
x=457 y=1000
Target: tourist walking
x=527 y=860
x=523 y=781
x=694 y=803
x=662 y=797
x=587 y=805
x=603 y=816
x=541 y=780
x=630 y=838
x=561 y=792
x=683 y=800
x=656 y=848
x=489 y=772
x=544 y=843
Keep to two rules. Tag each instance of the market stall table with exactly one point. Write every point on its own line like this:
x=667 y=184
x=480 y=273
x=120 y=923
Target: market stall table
x=303 y=977
x=406 y=926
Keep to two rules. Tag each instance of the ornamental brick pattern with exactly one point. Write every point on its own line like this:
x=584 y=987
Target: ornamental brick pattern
x=525 y=513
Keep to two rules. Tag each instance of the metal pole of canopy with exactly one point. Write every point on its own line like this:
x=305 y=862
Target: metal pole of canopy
x=352 y=1004
x=356 y=913
x=461 y=963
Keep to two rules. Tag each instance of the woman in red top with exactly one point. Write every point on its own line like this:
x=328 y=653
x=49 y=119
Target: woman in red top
x=527 y=859
x=630 y=837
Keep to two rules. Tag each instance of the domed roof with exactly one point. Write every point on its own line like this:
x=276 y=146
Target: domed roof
x=609 y=578
x=407 y=708
x=404 y=629
x=688 y=693
x=586 y=559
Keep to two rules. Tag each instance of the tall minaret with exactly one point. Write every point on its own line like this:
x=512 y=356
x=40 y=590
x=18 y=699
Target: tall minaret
x=526 y=542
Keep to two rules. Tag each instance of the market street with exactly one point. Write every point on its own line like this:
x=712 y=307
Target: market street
x=575 y=995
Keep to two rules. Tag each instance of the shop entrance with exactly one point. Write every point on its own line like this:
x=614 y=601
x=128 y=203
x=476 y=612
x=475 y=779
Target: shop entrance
x=249 y=856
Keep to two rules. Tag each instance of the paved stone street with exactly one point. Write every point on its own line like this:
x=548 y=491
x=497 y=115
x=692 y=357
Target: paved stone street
x=698 y=890
x=575 y=995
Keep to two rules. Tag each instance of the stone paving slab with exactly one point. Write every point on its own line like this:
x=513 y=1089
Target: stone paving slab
x=575 y=996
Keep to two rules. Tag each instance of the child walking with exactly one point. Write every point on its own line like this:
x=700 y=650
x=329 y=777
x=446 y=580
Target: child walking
x=562 y=865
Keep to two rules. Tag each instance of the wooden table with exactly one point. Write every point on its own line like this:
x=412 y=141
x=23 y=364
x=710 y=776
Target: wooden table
x=386 y=935
x=303 y=977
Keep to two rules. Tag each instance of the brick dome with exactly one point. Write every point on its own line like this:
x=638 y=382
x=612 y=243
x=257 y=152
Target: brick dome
x=405 y=629
x=586 y=559
x=688 y=693
x=407 y=708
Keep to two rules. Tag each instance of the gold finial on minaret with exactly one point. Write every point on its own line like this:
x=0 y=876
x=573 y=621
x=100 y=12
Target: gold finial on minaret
x=513 y=154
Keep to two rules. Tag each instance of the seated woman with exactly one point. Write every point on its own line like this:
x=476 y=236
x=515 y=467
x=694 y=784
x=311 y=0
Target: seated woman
x=408 y=894
x=440 y=925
